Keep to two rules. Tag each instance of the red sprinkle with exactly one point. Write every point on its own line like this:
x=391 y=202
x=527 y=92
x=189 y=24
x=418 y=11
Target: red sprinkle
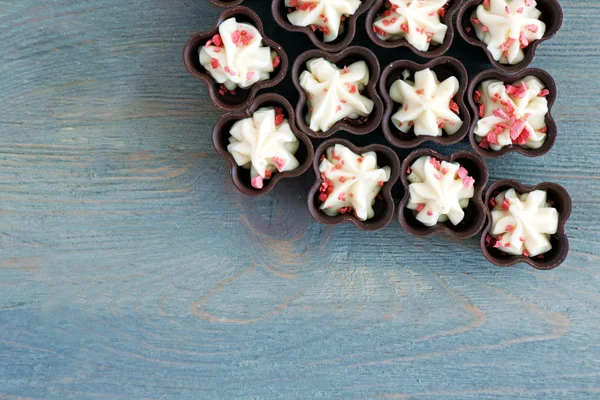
x=454 y=107
x=276 y=62
x=420 y=207
x=279 y=119
x=257 y=182
x=435 y=162
x=506 y=45
x=279 y=163
x=506 y=204
x=525 y=253
x=217 y=40
x=468 y=182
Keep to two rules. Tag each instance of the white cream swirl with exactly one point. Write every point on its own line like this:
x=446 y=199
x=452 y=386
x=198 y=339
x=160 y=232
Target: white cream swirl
x=507 y=27
x=439 y=191
x=351 y=182
x=236 y=56
x=416 y=20
x=511 y=114
x=323 y=15
x=523 y=223
x=265 y=144
x=334 y=93
x=426 y=104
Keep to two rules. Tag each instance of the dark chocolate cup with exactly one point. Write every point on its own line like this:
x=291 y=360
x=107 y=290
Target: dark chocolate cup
x=444 y=67
x=242 y=97
x=552 y=16
x=475 y=215
x=226 y=3
x=384 y=207
x=434 y=51
x=241 y=176
x=559 y=241
x=552 y=132
x=279 y=11
x=345 y=57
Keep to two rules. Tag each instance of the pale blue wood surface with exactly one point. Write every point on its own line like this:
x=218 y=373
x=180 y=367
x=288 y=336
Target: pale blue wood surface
x=131 y=268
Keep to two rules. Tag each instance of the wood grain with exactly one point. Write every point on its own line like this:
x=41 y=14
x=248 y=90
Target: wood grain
x=131 y=268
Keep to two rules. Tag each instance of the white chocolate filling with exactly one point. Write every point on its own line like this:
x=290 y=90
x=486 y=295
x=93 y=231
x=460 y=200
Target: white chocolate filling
x=335 y=93
x=323 y=15
x=236 y=56
x=418 y=21
x=439 y=191
x=512 y=114
x=523 y=223
x=351 y=182
x=507 y=27
x=265 y=144
x=426 y=104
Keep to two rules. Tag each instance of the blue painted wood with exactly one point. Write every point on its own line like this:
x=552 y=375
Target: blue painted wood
x=131 y=268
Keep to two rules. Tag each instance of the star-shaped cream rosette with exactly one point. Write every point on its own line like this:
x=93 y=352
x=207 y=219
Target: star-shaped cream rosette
x=416 y=20
x=507 y=27
x=522 y=224
x=351 y=182
x=512 y=114
x=426 y=104
x=236 y=56
x=439 y=191
x=264 y=144
x=324 y=15
x=335 y=93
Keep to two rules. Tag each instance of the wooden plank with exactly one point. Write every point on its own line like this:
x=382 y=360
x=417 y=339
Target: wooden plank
x=131 y=268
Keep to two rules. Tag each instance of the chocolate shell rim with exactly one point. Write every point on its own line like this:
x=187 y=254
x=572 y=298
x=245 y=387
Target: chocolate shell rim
x=351 y=22
x=462 y=19
x=437 y=50
x=563 y=218
x=477 y=199
x=390 y=131
x=386 y=191
x=219 y=132
x=369 y=91
x=551 y=134
x=190 y=53
x=226 y=4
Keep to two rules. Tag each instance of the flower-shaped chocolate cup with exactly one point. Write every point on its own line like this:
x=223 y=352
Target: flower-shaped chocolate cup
x=346 y=57
x=561 y=200
x=280 y=12
x=433 y=52
x=241 y=98
x=226 y=3
x=383 y=207
x=552 y=16
x=444 y=67
x=241 y=176
x=552 y=132
x=474 y=219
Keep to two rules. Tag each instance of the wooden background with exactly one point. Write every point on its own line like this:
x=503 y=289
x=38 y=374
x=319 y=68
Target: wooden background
x=131 y=268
